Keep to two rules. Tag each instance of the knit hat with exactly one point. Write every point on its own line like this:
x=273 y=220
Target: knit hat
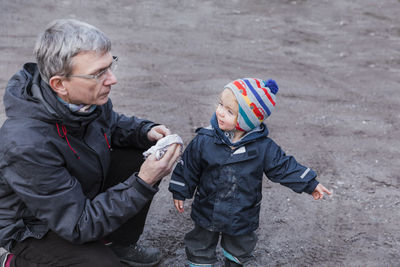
x=256 y=99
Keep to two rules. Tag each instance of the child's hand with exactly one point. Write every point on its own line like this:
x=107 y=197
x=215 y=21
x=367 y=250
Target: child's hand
x=319 y=192
x=178 y=205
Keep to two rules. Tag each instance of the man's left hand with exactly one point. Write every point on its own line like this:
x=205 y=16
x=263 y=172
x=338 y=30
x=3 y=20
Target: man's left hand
x=158 y=132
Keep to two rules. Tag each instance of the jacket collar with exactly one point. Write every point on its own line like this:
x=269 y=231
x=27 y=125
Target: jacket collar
x=27 y=95
x=224 y=137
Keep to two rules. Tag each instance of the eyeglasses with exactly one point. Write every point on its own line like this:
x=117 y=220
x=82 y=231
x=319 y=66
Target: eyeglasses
x=101 y=75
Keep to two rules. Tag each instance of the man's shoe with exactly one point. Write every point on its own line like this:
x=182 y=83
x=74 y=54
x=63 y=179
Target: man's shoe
x=136 y=255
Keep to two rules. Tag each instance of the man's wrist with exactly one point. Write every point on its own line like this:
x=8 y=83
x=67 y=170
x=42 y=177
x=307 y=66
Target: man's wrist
x=143 y=186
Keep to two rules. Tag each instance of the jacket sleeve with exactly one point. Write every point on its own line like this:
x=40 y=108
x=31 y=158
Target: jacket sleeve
x=186 y=175
x=285 y=170
x=130 y=131
x=40 y=179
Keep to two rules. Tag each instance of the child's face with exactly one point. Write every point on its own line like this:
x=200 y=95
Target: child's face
x=227 y=111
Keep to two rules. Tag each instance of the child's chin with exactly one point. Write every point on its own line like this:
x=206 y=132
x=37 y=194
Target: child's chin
x=225 y=129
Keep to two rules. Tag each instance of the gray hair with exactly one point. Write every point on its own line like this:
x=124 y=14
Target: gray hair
x=61 y=41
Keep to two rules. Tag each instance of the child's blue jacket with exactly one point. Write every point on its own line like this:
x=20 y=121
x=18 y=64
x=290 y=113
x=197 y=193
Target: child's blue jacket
x=229 y=181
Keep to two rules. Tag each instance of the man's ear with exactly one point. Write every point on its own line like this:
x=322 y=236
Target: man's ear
x=56 y=83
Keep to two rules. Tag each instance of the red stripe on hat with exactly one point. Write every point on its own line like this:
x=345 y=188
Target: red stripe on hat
x=238 y=127
x=265 y=91
x=268 y=95
x=240 y=87
x=258 y=83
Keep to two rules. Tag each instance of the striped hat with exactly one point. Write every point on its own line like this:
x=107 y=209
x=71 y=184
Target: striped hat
x=256 y=99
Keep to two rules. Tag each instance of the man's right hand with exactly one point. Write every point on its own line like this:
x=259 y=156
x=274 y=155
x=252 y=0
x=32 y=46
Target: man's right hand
x=153 y=170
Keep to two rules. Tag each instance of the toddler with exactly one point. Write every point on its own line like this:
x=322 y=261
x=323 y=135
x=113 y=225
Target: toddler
x=223 y=167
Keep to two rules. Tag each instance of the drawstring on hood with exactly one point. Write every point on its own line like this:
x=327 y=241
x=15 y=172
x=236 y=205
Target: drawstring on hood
x=64 y=135
x=105 y=137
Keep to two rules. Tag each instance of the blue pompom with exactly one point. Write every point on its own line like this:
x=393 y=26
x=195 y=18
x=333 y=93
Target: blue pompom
x=272 y=85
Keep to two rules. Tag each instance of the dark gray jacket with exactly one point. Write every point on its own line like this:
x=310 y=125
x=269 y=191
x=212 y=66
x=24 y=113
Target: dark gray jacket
x=227 y=182
x=53 y=165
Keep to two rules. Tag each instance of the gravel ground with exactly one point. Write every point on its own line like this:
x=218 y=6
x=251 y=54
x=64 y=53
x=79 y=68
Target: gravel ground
x=337 y=64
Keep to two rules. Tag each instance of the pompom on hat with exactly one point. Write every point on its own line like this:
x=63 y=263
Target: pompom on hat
x=256 y=99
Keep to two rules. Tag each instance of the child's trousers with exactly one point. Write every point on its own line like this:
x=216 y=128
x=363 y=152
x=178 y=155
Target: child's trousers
x=201 y=244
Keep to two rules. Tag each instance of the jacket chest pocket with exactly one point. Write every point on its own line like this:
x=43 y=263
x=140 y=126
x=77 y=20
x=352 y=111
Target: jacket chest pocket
x=242 y=154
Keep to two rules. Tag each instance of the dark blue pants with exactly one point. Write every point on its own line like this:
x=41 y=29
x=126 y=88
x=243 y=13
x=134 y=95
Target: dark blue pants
x=201 y=244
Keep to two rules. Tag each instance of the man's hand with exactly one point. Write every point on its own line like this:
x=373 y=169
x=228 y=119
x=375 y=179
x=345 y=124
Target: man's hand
x=158 y=132
x=319 y=192
x=153 y=170
x=179 y=205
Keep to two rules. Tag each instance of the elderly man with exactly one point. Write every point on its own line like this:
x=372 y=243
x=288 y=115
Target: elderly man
x=74 y=189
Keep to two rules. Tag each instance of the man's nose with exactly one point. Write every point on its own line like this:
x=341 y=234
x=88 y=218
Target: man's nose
x=111 y=78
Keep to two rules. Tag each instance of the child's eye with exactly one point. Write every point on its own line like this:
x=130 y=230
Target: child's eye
x=230 y=112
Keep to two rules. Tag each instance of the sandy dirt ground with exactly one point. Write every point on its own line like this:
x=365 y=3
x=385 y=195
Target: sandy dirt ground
x=338 y=67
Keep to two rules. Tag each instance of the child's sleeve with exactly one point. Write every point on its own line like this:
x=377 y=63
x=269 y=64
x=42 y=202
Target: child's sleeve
x=185 y=177
x=285 y=170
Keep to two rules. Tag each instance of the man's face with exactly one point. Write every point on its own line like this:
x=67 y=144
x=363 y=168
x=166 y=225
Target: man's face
x=89 y=91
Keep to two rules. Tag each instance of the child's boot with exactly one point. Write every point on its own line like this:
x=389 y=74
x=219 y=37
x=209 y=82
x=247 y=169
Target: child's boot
x=231 y=260
x=229 y=263
x=191 y=264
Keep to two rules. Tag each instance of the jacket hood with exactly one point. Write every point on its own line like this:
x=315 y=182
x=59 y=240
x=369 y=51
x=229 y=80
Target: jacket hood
x=221 y=136
x=28 y=96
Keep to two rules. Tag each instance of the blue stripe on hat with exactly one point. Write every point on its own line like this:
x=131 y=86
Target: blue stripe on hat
x=258 y=97
x=245 y=118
